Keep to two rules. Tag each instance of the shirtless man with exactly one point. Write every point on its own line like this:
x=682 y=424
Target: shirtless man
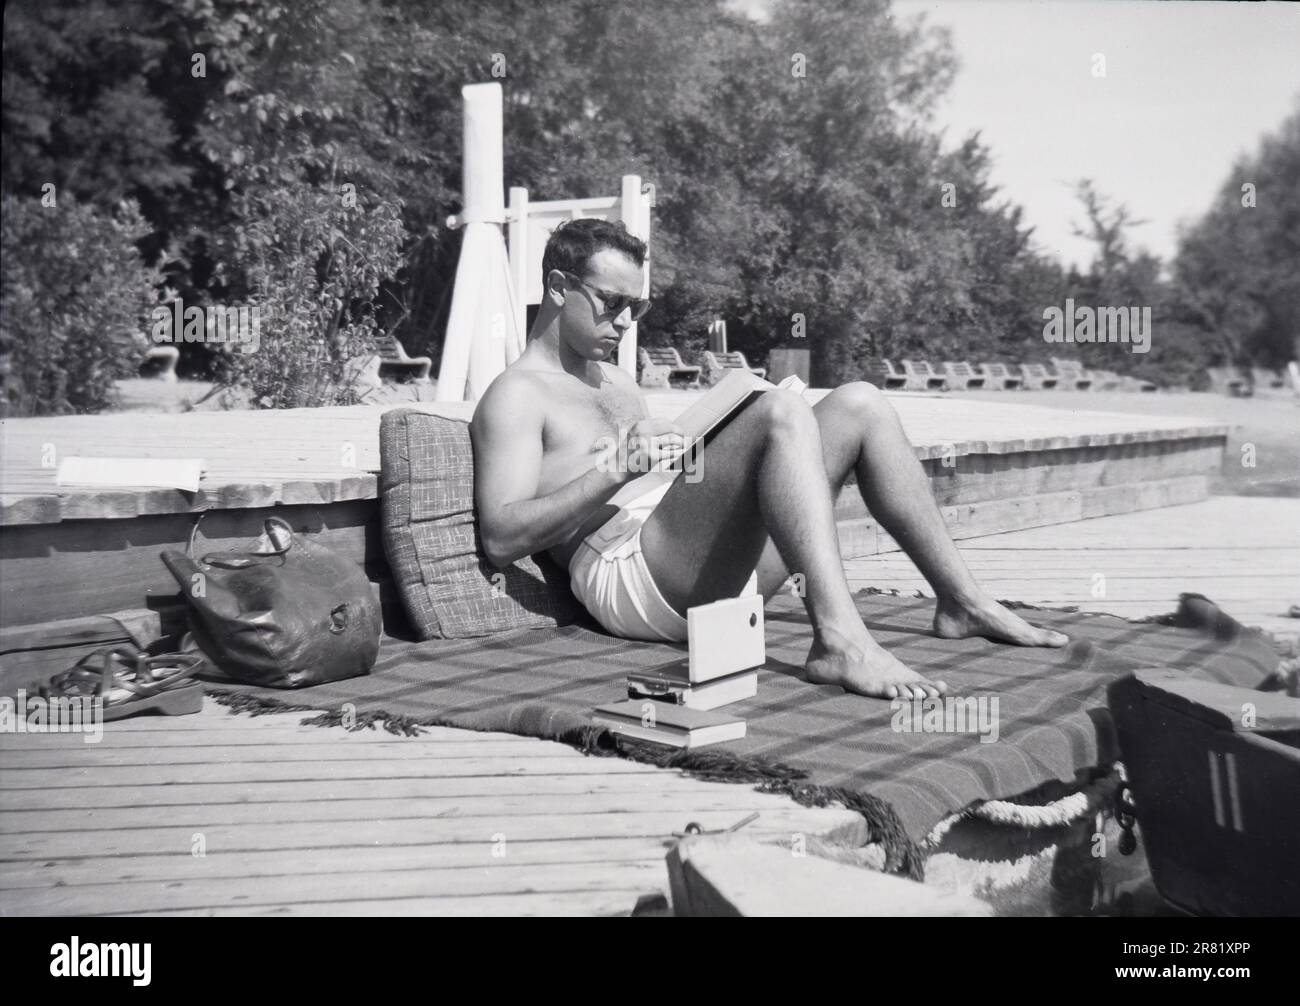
x=759 y=506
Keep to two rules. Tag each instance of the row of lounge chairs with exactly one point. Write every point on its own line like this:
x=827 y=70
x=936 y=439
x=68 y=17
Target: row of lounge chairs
x=1063 y=374
x=1242 y=382
x=660 y=365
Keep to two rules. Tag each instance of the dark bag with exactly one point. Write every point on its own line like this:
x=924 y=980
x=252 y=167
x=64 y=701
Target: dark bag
x=296 y=615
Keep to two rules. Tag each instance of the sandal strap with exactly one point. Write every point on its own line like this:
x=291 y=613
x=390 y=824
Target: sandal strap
x=100 y=672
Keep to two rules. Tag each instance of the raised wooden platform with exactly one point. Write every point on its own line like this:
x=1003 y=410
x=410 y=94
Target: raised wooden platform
x=69 y=552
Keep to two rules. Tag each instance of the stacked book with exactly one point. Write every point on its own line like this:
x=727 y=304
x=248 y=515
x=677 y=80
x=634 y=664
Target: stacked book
x=674 y=704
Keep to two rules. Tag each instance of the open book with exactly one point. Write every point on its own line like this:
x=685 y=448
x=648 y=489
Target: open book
x=702 y=421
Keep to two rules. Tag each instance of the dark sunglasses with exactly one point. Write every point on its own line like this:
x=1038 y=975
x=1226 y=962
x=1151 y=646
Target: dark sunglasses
x=614 y=304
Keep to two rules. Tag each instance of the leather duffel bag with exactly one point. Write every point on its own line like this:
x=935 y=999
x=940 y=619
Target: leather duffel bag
x=293 y=615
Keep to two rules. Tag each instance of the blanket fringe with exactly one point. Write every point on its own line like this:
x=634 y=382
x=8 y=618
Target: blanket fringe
x=902 y=855
x=253 y=705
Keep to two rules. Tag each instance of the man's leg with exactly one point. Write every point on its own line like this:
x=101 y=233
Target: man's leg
x=765 y=475
x=861 y=435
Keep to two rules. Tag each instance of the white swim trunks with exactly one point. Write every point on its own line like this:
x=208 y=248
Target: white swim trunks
x=609 y=575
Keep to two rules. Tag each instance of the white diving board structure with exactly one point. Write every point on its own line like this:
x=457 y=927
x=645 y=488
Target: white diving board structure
x=488 y=323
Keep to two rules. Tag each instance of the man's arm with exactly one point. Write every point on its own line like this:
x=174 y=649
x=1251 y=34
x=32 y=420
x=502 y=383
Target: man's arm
x=513 y=521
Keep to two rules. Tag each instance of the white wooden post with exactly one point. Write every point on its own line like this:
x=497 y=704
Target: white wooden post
x=634 y=211
x=517 y=235
x=717 y=336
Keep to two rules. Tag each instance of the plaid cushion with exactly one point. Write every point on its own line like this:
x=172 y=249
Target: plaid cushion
x=432 y=542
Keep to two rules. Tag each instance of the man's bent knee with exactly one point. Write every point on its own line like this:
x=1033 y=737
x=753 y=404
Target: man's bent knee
x=787 y=409
x=783 y=415
x=860 y=398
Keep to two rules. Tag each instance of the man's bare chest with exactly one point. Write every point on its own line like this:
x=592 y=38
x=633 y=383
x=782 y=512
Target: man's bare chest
x=586 y=421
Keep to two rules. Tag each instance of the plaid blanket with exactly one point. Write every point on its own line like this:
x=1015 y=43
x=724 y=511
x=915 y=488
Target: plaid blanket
x=1052 y=722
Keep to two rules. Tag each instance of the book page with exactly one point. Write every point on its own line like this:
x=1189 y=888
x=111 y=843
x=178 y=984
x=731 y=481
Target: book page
x=718 y=402
x=699 y=419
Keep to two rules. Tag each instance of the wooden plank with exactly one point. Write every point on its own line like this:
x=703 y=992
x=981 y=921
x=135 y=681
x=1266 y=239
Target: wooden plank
x=214 y=714
x=1241 y=552
x=230 y=839
x=977 y=478
x=120 y=740
x=38 y=508
x=582 y=904
x=680 y=801
x=664 y=781
x=97 y=756
x=94 y=629
x=16 y=779
x=864 y=537
x=359 y=859
x=500 y=877
x=733 y=876
x=1078 y=590
x=1214 y=522
x=82 y=568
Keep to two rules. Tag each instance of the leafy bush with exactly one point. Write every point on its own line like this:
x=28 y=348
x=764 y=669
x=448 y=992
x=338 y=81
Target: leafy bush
x=313 y=260
x=75 y=295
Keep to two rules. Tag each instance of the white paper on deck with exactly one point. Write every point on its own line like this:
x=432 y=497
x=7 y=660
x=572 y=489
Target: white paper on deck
x=160 y=473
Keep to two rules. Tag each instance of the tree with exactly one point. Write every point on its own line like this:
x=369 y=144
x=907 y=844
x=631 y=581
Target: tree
x=1235 y=273
x=74 y=298
x=801 y=188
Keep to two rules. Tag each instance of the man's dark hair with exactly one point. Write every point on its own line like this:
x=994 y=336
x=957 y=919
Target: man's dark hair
x=572 y=244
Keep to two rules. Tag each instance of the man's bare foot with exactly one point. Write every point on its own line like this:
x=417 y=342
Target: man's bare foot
x=865 y=669
x=992 y=621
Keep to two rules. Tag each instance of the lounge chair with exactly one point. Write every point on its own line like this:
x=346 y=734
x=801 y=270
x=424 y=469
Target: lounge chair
x=882 y=374
x=1265 y=378
x=1136 y=384
x=1230 y=381
x=392 y=356
x=1036 y=377
x=1070 y=374
x=1108 y=380
x=962 y=375
x=716 y=365
x=660 y=364
x=998 y=377
x=921 y=370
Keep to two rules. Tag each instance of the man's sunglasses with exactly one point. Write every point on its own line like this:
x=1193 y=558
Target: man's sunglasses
x=614 y=304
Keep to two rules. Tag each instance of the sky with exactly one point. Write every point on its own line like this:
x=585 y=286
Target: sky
x=1188 y=88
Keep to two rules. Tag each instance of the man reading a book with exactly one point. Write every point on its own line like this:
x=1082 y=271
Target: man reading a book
x=640 y=550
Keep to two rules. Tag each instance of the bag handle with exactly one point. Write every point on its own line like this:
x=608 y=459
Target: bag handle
x=241 y=560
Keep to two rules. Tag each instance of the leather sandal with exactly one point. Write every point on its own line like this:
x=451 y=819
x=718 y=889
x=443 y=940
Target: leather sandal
x=131 y=682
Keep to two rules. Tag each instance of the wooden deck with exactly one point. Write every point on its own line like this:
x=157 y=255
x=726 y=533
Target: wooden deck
x=305 y=820
x=78 y=552
x=308 y=820
x=313 y=456
x=1243 y=552
x=319 y=821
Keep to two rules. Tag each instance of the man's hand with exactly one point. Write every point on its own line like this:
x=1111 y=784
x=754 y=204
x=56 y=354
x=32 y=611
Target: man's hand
x=651 y=442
